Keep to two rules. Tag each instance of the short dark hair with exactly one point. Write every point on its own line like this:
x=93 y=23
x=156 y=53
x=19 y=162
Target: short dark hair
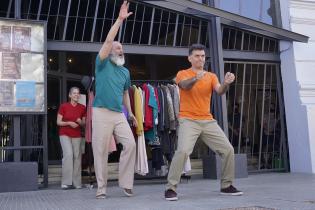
x=196 y=47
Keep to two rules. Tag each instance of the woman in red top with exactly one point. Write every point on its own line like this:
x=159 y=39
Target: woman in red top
x=70 y=119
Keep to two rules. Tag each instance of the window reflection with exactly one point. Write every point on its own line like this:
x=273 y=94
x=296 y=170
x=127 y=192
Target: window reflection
x=261 y=10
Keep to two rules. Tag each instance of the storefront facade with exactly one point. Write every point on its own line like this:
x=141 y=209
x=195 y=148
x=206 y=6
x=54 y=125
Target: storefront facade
x=256 y=111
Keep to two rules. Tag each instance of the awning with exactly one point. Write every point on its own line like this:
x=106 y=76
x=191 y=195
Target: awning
x=206 y=12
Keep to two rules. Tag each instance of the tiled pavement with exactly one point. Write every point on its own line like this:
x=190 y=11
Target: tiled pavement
x=273 y=191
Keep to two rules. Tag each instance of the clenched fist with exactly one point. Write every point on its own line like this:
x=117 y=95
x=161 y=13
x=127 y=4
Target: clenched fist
x=229 y=78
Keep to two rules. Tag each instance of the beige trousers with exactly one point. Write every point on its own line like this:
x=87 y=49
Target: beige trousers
x=71 y=161
x=213 y=136
x=105 y=124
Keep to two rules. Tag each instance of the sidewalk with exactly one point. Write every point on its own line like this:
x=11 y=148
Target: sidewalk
x=283 y=191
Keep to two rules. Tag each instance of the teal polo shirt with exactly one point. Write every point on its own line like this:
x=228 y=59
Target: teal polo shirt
x=110 y=83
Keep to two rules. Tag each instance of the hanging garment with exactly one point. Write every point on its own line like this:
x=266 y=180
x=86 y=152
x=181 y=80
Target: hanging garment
x=151 y=135
x=157 y=97
x=148 y=118
x=132 y=105
x=161 y=109
x=175 y=98
x=141 y=166
x=170 y=108
x=138 y=110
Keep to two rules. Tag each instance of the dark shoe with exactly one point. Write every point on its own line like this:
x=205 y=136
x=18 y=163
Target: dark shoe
x=128 y=192
x=231 y=190
x=171 y=195
x=67 y=187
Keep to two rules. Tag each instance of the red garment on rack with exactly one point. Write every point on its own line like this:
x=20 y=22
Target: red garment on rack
x=148 y=117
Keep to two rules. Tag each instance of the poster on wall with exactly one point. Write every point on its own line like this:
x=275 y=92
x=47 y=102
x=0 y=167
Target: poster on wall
x=25 y=94
x=5 y=38
x=11 y=66
x=22 y=67
x=6 y=93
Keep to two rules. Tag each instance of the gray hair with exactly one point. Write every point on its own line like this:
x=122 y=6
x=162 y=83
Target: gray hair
x=73 y=88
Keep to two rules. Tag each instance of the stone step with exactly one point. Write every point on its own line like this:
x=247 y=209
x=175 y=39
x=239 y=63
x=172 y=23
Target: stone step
x=54 y=171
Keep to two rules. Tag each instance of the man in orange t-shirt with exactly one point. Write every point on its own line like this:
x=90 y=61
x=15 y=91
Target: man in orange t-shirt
x=195 y=120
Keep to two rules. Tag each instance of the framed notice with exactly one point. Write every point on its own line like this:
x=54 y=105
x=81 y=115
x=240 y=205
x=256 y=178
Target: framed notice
x=22 y=67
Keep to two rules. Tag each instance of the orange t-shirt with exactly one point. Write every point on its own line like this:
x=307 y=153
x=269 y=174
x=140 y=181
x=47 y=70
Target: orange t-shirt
x=195 y=103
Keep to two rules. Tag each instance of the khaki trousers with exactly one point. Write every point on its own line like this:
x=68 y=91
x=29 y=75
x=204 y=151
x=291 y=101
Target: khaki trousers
x=71 y=161
x=213 y=136
x=105 y=124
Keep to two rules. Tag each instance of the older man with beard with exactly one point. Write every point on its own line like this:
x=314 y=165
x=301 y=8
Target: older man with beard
x=112 y=84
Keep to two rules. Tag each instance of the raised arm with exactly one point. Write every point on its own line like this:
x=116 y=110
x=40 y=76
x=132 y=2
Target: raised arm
x=107 y=46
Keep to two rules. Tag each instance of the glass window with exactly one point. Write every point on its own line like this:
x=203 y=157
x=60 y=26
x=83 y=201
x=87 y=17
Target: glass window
x=170 y=35
x=73 y=8
x=51 y=27
x=252 y=42
x=52 y=61
x=63 y=8
x=59 y=28
x=91 y=9
x=225 y=37
x=238 y=44
x=70 y=28
x=127 y=29
x=250 y=9
x=137 y=32
x=83 y=8
x=246 y=41
x=81 y=63
x=4 y=7
x=268 y=11
x=45 y=7
x=194 y=33
x=88 y=29
x=259 y=43
x=179 y=30
x=231 y=6
x=79 y=29
x=232 y=37
x=53 y=10
x=204 y=34
x=101 y=9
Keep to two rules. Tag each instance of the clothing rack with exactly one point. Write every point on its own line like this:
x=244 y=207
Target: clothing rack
x=152 y=81
x=150 y=176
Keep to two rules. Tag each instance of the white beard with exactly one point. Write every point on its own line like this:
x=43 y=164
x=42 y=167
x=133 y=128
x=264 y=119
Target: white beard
x=118 y=60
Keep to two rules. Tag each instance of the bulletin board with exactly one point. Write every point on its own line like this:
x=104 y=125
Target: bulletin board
x=22 y=66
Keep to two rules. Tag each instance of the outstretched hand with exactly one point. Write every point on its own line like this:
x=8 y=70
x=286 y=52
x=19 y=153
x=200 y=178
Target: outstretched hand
x=123 y=13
